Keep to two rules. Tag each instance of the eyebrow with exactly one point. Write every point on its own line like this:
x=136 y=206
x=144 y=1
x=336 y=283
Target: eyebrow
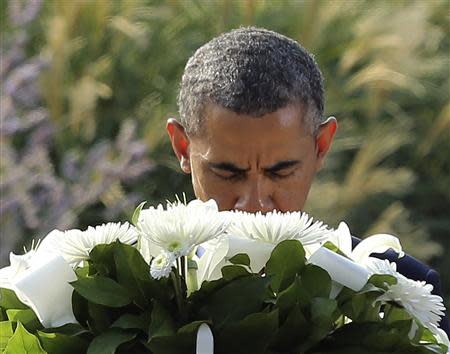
x=230 y=167
x=227 y=166
x=282 y=165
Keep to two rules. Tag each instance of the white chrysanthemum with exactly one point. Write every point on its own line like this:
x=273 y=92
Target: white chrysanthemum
x=162 y=265
x=257 y=235
x=414 y=296
x=276 y=226
x=74 y=245
x=180 y=227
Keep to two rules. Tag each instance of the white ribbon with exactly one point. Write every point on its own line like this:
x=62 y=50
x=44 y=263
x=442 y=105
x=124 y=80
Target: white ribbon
x=342 y=270
x=205 y=340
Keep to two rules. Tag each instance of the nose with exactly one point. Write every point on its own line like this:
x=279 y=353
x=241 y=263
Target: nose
x=255 y=196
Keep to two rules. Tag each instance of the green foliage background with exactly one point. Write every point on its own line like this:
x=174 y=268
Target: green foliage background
x=386 y=69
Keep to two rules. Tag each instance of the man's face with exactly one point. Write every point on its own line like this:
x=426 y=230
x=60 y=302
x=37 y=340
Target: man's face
x=252 y=164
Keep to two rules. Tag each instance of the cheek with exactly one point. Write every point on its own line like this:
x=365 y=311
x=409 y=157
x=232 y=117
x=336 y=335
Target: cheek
x=291 y=195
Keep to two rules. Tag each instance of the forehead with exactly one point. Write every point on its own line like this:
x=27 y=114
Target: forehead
x=227 y=135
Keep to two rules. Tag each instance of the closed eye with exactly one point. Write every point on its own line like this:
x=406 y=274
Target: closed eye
x=280 y=174
x=227 y=171
x=229 y=176
x=283 y=169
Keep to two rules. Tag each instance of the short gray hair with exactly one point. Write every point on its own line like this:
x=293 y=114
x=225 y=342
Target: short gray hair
x=250 y=71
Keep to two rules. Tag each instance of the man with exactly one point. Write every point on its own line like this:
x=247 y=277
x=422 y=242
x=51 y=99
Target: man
x=252 y=133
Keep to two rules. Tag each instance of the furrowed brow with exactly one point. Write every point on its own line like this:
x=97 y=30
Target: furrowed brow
x=282 y=165
x=226 y=166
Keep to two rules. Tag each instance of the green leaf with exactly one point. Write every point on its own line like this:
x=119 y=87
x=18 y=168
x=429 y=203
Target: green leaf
x=332 y=247
x=100 y=317
x=58 y=343
x=192 y=327
x=394 y=313
x=102 y=259
x=292 y=332
x=240 y=258
x=130 y=321
x=102 y=291
x=27 y=317
x=207 y=288
x=82 y=272
x=132 y=272
x=161 y=324
x=362 y=307
x=373 y=338
x=9 y=300
x=315 y=281
x=71 y=329
x=110 y=340
x=231 y=272
x=80 y=307
x=286 y=261
x=6 y=332
x=289 y=298
x=180 y=343
x=322 y=311
x=323 y=316
x=136 y=213
x=253 y=334
x=236 y=300
x=23 y=342
x=382 y=280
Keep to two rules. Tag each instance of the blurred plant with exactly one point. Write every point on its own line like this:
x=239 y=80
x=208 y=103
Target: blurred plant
x=38 y=192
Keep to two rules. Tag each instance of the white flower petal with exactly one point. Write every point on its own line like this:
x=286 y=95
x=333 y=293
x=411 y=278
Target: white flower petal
x=148 y=249
x=47 y=284
x=376 y=244
x=161 y=265
x=414 y=296
x=18 y=264
x=181 y=227
x=74 y=245
x=440 y=335
x=212 y=260
x=276 y=226
x=258 y=252
x=342 y=239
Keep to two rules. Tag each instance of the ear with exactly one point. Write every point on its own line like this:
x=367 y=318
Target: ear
x=324 y=139
x=180 y=143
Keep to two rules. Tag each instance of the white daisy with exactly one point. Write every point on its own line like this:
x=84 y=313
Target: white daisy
x=414 y=296
x=180 y=227
x=257 y=235
x=162 y=265
x=74 y=245
x=276 y=226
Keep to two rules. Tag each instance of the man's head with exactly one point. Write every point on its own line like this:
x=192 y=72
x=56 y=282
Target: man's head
x=252 y=132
